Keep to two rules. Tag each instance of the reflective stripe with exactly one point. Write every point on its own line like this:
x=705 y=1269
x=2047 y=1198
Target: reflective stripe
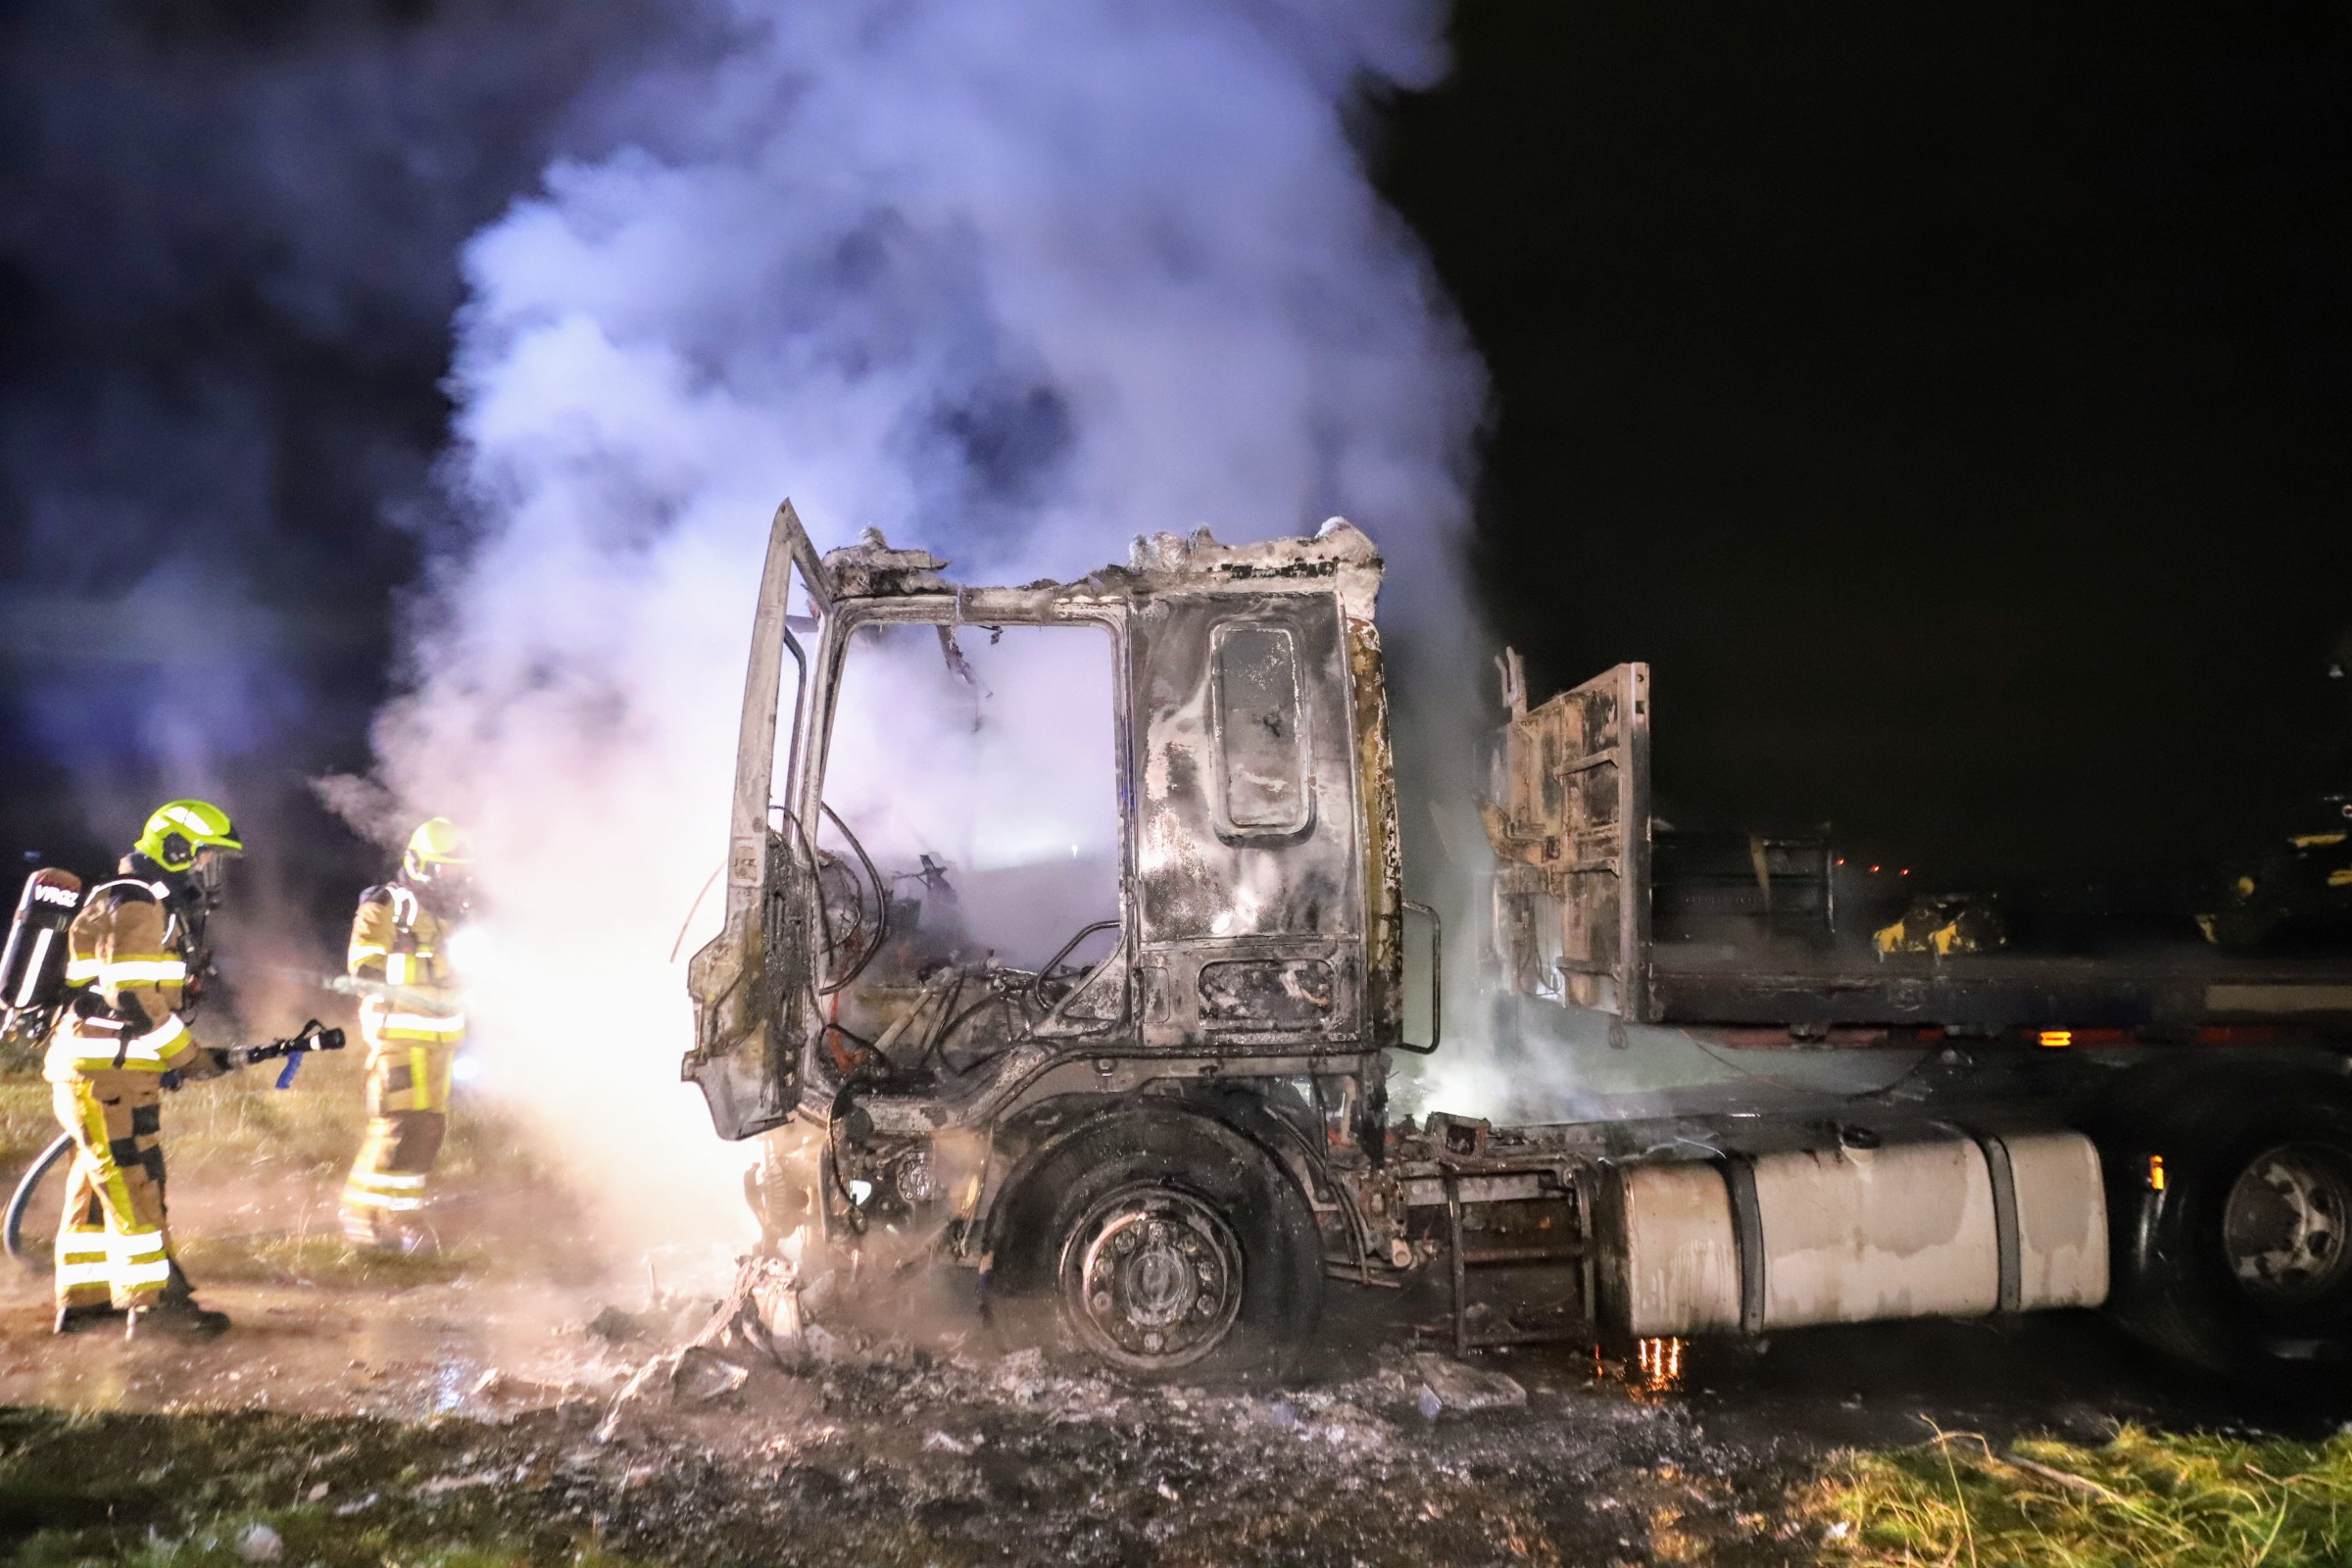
x=101 y=1060
x=452 y=1024
x=367 y=1199
x=69 y=1275
x=138 y=1276
x=142 y=1257
x=366 y=950
x=41 y=943
x=408 y=968
x=142 y=971
x=81 y=972
x=385 y=1178
x=148 y=1053
x=157 y=891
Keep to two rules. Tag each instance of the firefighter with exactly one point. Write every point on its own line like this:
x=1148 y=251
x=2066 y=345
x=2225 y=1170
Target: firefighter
x=414 y=1021
x=135 y=960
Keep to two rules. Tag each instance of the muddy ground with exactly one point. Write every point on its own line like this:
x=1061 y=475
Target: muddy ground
x=394 y=1415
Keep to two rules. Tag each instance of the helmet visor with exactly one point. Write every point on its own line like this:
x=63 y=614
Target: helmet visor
x=209 y=875
x=449 y=883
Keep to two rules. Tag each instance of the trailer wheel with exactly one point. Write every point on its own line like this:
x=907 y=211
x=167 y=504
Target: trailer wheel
x=2242 y=1263
x=1166 y=1246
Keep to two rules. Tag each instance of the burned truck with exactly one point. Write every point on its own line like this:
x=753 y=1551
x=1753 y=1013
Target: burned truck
x=1138 y=1075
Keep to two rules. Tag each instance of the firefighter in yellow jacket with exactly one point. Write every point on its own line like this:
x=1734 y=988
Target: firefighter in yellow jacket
x=135 y=960
x=414 y=1019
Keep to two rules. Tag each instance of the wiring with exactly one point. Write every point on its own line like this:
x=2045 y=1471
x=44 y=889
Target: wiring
x=881 y=904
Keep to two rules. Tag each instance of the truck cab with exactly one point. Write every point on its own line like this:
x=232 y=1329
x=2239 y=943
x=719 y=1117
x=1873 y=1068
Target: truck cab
x=1225 y=993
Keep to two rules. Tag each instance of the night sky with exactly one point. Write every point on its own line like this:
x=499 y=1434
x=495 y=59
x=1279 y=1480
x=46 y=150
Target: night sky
x=1949 y=401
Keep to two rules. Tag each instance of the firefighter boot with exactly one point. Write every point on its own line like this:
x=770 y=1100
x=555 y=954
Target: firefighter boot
x=175 y=1317
x=81 y=1319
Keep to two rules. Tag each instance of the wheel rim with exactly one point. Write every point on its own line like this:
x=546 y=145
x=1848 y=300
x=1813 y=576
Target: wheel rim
x=2287 y=1228
x=1152 y=1278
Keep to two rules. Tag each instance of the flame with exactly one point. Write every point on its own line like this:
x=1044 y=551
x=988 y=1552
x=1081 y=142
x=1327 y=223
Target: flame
x=1661 y=1362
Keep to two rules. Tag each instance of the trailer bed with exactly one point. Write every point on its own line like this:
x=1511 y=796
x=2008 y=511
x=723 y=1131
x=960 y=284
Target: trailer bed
x=2183 y=992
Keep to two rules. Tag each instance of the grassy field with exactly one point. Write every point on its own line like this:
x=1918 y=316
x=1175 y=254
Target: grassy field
x=243 y=1119
x=2186 y=1502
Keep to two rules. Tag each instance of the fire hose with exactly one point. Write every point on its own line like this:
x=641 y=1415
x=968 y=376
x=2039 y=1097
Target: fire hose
x=313 y=1036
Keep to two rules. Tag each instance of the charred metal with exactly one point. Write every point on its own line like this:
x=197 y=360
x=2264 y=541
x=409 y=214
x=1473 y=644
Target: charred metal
x=1171 y=1132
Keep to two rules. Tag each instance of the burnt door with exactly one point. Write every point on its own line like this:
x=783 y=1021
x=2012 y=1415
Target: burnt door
x=1249 y=899
x=1569 y=818
x=749 y=981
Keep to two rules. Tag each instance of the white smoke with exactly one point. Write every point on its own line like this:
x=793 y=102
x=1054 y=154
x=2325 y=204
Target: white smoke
x=1011 y=279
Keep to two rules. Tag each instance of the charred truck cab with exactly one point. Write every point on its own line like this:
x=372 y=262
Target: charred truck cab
x=1151 y=1134
x=1160 y=1117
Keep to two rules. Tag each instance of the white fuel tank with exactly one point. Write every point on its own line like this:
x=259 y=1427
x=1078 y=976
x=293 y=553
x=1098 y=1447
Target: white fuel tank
x=1952 y=1227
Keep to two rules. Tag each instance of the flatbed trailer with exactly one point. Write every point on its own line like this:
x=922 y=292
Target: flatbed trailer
x=2189 y=996
x=1570 y=820
x=1164 y=1154
x=2209 y=1086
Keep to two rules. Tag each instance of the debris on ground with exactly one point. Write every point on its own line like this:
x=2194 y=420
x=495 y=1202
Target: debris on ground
x=661 y=1321
x=496 y=1413
x=703 y=1375
x=1450 y=1387
x=761 y=1315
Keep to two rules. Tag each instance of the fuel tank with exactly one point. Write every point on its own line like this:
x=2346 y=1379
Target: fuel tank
x=1940 y=1227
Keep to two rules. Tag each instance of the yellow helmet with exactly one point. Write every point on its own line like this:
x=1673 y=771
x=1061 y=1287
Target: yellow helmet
x=436 y=850
x=180 y=831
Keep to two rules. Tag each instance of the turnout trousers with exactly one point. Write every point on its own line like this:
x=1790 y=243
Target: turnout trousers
x=112 y=1243
x=407 y=1114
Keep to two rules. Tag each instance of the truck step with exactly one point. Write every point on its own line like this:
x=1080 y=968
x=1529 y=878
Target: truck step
x=1570 y=1253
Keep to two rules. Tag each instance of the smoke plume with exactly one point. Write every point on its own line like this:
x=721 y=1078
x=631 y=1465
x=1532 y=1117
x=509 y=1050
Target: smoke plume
x=1010 y=279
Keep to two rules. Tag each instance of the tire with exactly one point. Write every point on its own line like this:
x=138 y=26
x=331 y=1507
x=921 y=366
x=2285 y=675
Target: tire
x=1163 y=1246
x=2242 y=1263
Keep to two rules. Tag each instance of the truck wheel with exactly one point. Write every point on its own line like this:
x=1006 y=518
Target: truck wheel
x=1168 y=1245
x=2245 y=1265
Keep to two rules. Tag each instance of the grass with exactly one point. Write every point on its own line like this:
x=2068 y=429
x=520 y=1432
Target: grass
x=2186 y=1501
x=26 y=1123
x=306 y=1536
x=223 y=1132
x=242 y=1119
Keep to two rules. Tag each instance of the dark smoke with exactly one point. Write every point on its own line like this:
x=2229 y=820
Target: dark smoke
x=229 y=240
